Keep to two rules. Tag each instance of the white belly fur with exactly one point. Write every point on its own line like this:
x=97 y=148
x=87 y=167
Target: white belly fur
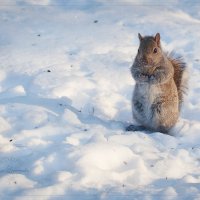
x=146 y=93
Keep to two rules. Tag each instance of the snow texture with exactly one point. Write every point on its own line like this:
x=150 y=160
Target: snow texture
x=65 y=98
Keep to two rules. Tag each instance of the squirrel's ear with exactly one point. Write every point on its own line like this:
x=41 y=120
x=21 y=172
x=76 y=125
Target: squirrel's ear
x=157 y=38
x=140 y=37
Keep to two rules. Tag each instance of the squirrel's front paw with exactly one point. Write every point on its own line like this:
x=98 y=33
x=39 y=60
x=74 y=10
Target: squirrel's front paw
x=143 y=77
x=151 y=77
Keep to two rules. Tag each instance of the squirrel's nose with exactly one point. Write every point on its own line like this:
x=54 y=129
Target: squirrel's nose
x=147 y=60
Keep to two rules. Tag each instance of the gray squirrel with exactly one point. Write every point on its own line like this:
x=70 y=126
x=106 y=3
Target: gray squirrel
x=160 y=86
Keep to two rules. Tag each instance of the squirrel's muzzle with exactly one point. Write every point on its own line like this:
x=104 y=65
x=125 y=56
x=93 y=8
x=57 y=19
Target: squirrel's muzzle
x=147 y=61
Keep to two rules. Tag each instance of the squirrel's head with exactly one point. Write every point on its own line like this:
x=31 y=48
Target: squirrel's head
x=149 y=52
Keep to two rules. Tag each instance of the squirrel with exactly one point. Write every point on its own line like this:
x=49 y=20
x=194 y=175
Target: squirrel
x=161 y=83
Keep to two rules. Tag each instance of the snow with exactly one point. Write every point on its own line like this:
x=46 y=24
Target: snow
x=65 y=98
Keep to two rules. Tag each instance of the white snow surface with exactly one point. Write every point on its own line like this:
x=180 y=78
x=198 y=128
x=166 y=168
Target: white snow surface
x=65 y=98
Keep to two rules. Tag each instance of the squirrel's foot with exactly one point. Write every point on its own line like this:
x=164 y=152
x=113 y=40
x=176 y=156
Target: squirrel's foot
x=135 y=128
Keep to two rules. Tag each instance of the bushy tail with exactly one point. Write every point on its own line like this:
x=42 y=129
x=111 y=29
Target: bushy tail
x=180 y=76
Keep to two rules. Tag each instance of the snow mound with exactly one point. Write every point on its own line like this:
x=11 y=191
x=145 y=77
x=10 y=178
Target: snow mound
x=65 y=98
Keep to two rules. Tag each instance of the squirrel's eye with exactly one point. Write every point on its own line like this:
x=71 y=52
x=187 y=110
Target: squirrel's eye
x=155 y=50
x=138 y=51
